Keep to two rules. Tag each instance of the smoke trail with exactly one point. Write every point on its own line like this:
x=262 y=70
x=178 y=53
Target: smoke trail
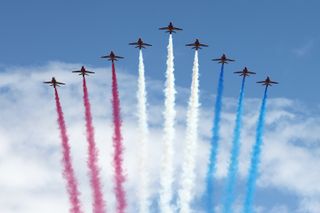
x=214 y=143
x=98 y=202
x=68 y=172
x=117 y=144
x=144 y=202
x=188 y=175
x=255 y=157
x=166 y=178
x=233 y=167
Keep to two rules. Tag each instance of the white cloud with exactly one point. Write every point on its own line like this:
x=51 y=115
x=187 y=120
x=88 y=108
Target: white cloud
x=30 y=178
x=304 y=49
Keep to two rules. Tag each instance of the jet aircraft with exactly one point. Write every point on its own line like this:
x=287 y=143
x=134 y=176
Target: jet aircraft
x=170 y=28
x=83 y=71
x=140 y=44
x=223 y=59
x=267 y=82
x=245 y=72
x=196 y=45
x=54 y=82
x=112 y=57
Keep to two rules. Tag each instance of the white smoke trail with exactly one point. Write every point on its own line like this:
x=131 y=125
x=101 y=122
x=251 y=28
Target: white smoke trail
x=166 y=178
x=188 y=166
x=143 y=128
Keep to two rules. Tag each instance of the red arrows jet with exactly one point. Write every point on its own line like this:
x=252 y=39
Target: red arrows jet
x=112 y=57
x=223 y=59
x=54 y=83
x=245 y=72
x=140 y=44
x=170 y=28
x=267 y=82
x=196 y=45
x=83 y=71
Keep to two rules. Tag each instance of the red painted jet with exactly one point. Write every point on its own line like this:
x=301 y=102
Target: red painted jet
x=170 y=28
x=267 y=82
x=140 y=44
x=196 y=45
x=223 y=59
x=245 y=72
x=54 y=83
x=112 y=57
x=83 y=71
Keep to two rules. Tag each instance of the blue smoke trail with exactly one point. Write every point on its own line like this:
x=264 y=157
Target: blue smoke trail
x=255 y=158
x=214 y=144
x=233 y=167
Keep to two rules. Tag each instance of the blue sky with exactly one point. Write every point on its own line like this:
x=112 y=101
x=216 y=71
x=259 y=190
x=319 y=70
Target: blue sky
x=279 y=38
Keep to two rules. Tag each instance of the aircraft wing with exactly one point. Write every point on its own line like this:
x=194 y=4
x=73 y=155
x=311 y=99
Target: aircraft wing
x=176 y=28
x=203 y=45
x=239 y=72
x=119 y=57
x=60 y=83
x=274 y=82
x=190 y=45
x=251 y=72
x=79 y=71
x=105 y=56
x=163 y=28
x=216 y=59
x=147 y=44
x=230 y=59
x=261 y=82
x=134 y=43
x=47 y=82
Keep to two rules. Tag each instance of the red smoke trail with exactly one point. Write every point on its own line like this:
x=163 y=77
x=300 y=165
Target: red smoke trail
x=68 y=172
x=98 y=202
x=117 y=144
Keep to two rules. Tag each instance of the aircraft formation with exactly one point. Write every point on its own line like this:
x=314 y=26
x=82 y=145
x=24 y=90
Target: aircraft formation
x=186 y=186
x=168 y=29
x=245 y=73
